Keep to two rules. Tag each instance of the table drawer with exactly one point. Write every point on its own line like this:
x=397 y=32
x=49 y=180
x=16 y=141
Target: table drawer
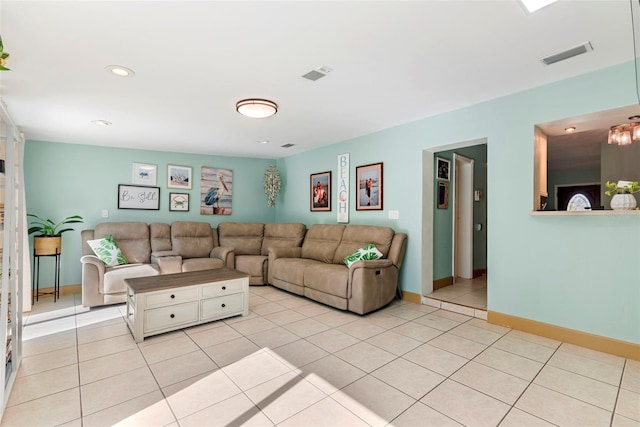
x=222 y=288
x=172 y=296
x=171 y=316
x=220 y=306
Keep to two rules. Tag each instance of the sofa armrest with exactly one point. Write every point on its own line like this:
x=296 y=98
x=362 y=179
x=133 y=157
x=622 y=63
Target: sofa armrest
x=372 y=284
x=167 y=261
x=226 y=254
x=280 y=252
x=397 y=249
x=94 y=261
x=284 y=252
x=92 y=280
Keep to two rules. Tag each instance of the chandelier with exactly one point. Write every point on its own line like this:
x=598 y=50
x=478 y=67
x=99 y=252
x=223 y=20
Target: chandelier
x=625 y=133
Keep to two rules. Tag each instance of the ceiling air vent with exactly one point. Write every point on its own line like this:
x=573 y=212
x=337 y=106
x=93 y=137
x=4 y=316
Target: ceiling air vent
x=287 y=145
x=569 y=53
x=318 y=73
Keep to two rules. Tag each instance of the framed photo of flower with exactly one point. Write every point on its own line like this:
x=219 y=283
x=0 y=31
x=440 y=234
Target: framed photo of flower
x=179 y=177
x=369 y=185
x=179 y=202
x=320 y=191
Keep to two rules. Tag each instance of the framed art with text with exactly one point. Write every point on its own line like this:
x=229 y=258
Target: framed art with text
x=138 y=197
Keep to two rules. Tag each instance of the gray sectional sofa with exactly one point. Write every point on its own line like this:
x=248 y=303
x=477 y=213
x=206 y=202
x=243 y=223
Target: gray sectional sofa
x=285 y=255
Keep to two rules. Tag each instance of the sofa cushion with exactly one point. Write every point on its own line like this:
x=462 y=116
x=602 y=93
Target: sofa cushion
x=253 y=265
x=291 y=270
x=328 y=278
x=160 y=236
x=114 y=276
x=108 y=251
x=321 y=242
x=132 y=239
x=191 y=239
x=245 y=238
x=357 y=236
x=367 y=252
x=282 y=234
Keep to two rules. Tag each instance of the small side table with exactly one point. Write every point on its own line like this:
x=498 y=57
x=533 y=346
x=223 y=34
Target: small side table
x=35 y=280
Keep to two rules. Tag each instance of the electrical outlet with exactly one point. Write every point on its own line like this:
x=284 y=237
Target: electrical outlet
x=394 y=214
x=105 y=213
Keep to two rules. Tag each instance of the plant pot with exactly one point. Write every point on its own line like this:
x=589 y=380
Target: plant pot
x=623 y=202
x=46 y=245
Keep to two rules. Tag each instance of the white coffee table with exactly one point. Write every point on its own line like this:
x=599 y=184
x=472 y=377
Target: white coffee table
x=158 y=304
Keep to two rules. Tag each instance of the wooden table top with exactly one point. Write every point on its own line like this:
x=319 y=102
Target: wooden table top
x=178 y=280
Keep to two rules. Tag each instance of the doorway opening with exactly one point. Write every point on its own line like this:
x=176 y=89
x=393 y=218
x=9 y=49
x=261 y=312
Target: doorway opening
x=454 y=233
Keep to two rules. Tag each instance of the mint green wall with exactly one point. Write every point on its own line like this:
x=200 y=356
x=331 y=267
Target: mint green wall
x=552 y=269
x=68 y=179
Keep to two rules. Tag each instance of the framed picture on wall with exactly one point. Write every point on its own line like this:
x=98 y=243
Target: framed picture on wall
x=443 y=195
x=369 y=185
x=320 y=191
x=138 y=197
x=144 y=174
x=179 y=202
x=179 y=177
x=442 y=168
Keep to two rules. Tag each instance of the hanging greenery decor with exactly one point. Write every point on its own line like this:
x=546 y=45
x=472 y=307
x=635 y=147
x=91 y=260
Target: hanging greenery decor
x=3 y=57
x=272 y=185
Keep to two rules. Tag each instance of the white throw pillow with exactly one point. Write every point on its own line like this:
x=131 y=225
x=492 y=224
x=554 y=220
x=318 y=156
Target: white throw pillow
x=369 y=252
x=108 y=251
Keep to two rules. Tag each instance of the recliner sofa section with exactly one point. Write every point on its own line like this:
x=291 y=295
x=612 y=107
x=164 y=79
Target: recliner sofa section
x=316 y=270
x=251 y=243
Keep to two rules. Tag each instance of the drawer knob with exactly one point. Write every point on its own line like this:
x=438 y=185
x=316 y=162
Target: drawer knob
x=224 y=305
x=172 y=296
x=173 y=315
x=224 y=288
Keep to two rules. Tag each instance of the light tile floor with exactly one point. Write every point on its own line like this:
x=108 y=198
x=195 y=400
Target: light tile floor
x=293 y=362
x=467 y=292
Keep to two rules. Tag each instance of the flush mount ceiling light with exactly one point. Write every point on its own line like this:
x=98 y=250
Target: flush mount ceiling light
x=256 y=108
x=120 y=71
x=570 y=129
x=625 y=133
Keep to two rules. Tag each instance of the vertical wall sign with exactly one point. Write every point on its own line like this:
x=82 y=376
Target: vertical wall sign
x=343 y=188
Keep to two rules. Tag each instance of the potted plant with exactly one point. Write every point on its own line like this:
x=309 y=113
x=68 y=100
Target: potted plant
x=48 y=241
x=622 y=192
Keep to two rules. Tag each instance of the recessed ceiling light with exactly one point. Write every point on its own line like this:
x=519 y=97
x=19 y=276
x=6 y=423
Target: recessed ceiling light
x=264 y=141
x=533 y=5
x=101 y=122
x=120 y=71
x=570 y=129
x=256 y=108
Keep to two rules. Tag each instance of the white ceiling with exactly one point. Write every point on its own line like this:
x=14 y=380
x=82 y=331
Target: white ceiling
x=393 y=62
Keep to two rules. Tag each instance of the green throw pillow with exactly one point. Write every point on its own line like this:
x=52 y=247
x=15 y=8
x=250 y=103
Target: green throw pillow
x=108 y=251
x=368 y=252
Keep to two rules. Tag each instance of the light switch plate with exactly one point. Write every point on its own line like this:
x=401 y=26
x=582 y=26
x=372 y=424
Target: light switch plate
x=105 y=213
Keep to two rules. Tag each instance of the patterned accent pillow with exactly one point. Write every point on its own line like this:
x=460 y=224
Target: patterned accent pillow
x=368 y=252
x=108 y=251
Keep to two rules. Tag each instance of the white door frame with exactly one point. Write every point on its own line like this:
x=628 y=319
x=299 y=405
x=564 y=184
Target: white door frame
x=462 y=198
x=428 y=184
